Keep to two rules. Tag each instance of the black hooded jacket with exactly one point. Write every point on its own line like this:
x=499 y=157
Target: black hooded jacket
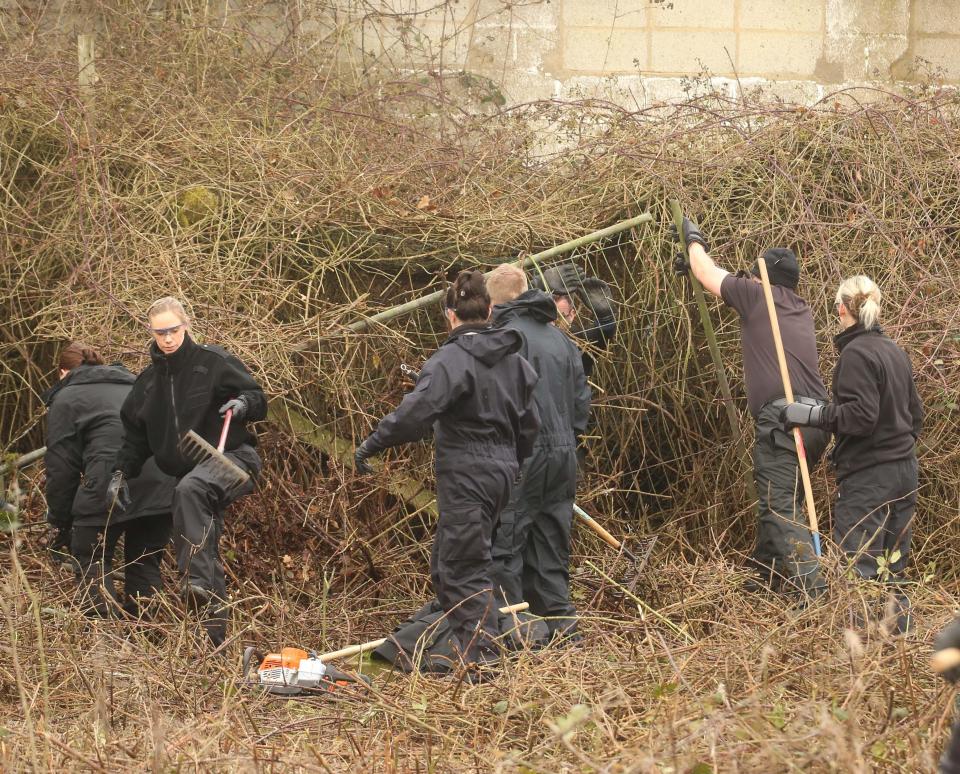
x=876 y=412
x=84 y=433
x=181 y=392
x=562 y=395
x=476 y=394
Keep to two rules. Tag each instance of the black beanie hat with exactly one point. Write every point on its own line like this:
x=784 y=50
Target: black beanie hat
x=782 y=267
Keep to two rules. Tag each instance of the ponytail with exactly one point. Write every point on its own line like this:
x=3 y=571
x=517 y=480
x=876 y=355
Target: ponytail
x=861 y=296
x=76 y=353
x=468 y=297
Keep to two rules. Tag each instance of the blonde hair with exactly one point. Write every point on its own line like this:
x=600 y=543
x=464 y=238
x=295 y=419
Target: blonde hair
x=167 y=304
x=505 y=283
x=861 y=296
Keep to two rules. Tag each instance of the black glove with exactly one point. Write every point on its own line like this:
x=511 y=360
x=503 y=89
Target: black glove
x=239 y=406
x=364 y=451
x=681 y=264
x=564 y=279
x=949 y=638
x=691 y=234
x=801 y=415
x=118 y=493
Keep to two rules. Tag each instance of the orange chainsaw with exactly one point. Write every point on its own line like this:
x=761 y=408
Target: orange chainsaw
x=294 y=671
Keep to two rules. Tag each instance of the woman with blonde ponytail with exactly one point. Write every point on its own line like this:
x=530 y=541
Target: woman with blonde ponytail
x=875 y=417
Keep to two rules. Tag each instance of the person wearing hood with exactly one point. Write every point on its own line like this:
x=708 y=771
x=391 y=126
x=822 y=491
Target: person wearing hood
x=84 y=433
x=783 y=557
x=191 y=386
x=476 y=394
x=876 y=416
x=531 y=552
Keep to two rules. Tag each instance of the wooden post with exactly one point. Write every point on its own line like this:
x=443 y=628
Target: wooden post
x=788 y=392
x=87 y=73
x=677 y=215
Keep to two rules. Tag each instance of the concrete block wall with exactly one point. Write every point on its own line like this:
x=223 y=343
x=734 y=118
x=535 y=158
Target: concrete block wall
x=641 y=51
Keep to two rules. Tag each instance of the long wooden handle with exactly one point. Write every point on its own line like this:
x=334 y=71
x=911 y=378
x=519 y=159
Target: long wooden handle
x=363 y=647
x=945 y=659
x=596 y=527
x=226 y=429
x=788 y=393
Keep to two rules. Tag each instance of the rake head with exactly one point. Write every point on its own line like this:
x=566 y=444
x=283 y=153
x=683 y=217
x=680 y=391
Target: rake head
x=199 y=450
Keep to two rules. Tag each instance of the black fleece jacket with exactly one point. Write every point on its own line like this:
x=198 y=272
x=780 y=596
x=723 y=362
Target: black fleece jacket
x=562 y=395
x=181 y=392
x=876 y=412
x=476 y=393
x=84 y=433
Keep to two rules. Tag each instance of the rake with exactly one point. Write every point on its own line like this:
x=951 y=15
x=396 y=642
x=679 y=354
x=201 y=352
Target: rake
x=197 y=449
x=639 y=562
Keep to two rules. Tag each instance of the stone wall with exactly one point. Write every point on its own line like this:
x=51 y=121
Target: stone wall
x=638 y=52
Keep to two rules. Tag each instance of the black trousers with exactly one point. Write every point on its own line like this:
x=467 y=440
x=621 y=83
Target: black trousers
x=531 y=552
x=199 y=500
x=784 y=554
x=93 y=548
x=872 y=517
x=470 y=497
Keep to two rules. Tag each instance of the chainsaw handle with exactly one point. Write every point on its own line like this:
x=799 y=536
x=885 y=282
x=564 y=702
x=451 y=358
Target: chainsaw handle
x=226 y=429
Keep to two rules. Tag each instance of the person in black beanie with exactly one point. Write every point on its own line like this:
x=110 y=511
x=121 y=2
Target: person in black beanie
x=783 y=557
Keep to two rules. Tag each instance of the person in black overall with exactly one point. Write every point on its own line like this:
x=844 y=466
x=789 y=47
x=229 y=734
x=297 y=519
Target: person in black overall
x=476 y=394
x=531 y=553
x=190 y=386
x=84 y=433
x=875 y=415
x=783 y=558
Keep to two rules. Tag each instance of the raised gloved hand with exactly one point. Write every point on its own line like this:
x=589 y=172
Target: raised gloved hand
x=118 y=493
x=565 y=278
x=691 y=234
x=801 y=415
x=239 y=406
x=364 y=451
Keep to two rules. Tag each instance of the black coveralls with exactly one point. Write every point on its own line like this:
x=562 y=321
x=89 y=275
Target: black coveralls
x=531 y=552
x=84 y=433
x=876 y=417
x=182 y=392
x=477 y=395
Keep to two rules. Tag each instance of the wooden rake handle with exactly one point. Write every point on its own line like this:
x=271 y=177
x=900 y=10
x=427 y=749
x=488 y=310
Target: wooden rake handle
x=363 y=647
x=591 y=522
x=788 y=392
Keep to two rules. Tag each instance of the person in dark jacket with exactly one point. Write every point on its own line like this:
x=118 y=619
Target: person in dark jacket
x=876 y=417
x=531 y=553
x=190 y=386
x=476 y=393
x=783 y=558
x=84 y=433
x=949 y=640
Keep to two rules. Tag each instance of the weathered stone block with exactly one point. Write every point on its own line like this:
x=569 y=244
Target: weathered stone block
x=600 y=51
x=795 y=16
x=693 y=14
x=942 y=53
x=779 y=55
x=625 y=14
x=935 y=16
x=682 y=51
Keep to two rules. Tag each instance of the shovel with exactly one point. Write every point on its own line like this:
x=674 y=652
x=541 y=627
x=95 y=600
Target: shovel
x=198 y=450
